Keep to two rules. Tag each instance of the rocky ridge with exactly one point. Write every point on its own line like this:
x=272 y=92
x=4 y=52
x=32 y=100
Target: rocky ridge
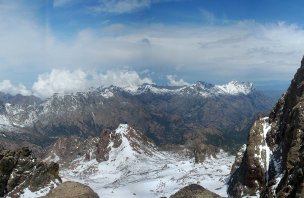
x=272 y=165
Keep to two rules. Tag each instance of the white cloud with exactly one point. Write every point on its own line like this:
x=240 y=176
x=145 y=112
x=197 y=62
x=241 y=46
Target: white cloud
x=243 y=50
x=7 y=87
x=208 y=16
x=121 y=6
x=60 y=81
x=65 y=81
x=60 y=3
x=173 y=81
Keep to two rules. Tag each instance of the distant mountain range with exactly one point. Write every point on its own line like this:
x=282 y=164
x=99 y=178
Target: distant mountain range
x=219 y=114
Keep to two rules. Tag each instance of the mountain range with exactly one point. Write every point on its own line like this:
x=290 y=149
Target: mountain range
x=167 y=115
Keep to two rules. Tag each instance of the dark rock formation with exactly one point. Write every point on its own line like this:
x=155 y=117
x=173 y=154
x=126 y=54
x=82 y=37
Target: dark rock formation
x=194 y=191
x=20 y=170
x=275 y=168
x=72 y=190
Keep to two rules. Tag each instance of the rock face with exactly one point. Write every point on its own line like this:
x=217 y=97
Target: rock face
x=273 y=163
x=72 y=190
x=19 y=170
x=194 y=191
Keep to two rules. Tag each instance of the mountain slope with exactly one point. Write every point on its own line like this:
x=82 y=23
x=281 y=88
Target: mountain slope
x=273 y=162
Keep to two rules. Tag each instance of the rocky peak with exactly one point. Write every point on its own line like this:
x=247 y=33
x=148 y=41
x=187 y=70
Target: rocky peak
x=126 y=140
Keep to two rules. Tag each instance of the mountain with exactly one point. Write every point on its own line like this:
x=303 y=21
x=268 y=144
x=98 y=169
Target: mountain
x=124 y=163
x=272 y=164
x=219 y=114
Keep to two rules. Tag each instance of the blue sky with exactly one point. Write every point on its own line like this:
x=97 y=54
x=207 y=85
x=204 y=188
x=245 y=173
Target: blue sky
x=49 y=44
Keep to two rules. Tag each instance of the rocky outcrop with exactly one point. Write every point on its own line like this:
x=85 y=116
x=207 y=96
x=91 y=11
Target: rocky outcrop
x=134 y=139
x=194 y=191
x=66 y=149
x=272 y=165
x=20 y=170
x=72 y=190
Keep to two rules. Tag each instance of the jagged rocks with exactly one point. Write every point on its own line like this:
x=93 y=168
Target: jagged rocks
x=282 y=175
x=72 y=190
x=194 y=191
x=20 y=170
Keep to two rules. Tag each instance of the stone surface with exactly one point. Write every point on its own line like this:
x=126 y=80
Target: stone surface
x=194 y=191
x=72 y=190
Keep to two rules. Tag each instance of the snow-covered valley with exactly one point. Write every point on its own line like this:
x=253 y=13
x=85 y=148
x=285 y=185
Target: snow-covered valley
x=134 y=173
x=152 y=177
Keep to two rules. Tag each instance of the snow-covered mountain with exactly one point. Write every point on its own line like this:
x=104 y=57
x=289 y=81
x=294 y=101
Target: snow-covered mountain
x=24 y=114
x=127 y=164
x=200 y=88
x=164 y=113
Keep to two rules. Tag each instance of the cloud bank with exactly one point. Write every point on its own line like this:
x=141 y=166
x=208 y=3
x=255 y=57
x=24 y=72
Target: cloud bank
x=173 y=81
x=66 y=81
x=7 y=87
x=121 y=6
x=241 y=50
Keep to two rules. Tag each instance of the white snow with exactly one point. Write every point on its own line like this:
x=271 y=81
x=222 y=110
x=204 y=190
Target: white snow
x=107 y=93
x=263 y=151
x=231 y=88
x=266 y=129
x=4 y=120
x=235 y=88
x=27 y=193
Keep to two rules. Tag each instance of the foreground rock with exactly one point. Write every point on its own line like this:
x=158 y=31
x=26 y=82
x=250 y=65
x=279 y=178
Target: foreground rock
x=194 y=191
x=72 y=190
x=20 y=171
x=272 y=165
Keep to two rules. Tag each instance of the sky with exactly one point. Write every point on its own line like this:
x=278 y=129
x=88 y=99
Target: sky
x=63 y=46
